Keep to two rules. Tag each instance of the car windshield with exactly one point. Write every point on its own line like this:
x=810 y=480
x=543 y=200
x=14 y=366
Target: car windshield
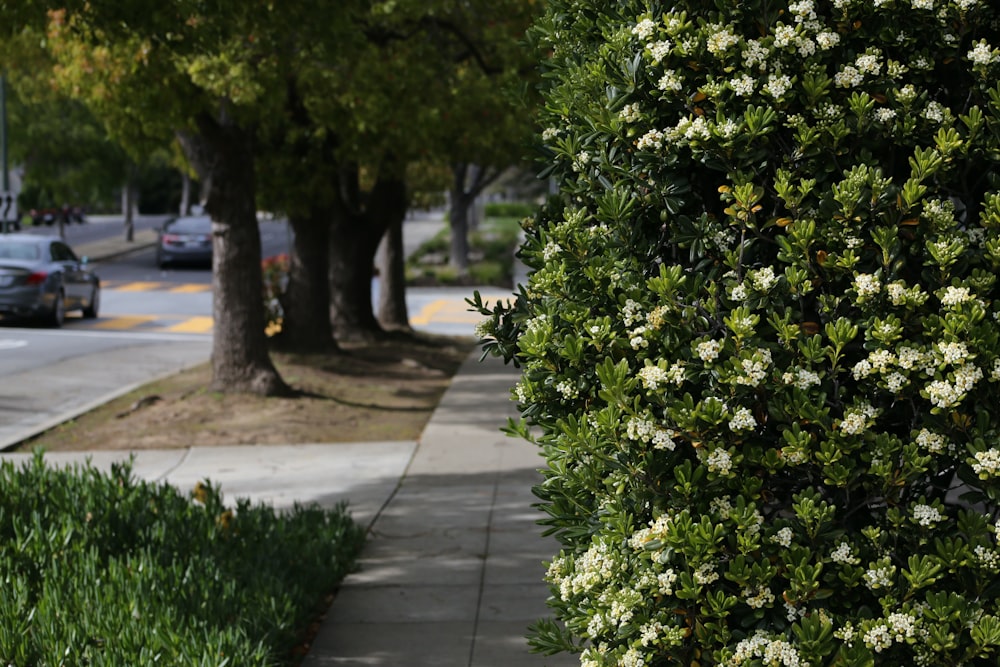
x=19 y=250
x=189 y=226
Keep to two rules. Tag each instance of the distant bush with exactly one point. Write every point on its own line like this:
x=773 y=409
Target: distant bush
x=102 y=569
x=509 y=209
x=760 y=340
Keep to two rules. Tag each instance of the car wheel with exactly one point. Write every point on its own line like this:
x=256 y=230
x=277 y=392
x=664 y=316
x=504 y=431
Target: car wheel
x=90 y=312
x=58 y=314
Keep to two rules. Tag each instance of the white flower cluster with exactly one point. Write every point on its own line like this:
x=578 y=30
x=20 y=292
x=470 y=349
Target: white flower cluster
x=982 y=55
x=742 y=420
x=708 y=350
x=867 y=286
x=988 y=558
x=630 y=113
x=644 y=430
x=880 y=575
x=597 y=565
x=644 y=29
x=670 y=81
x=653 y=377
x=677 y=374
x=720 y=40
x=777 y=85
x=632 y=313
x=925 y=515
x=755 y=368
x=954 y=296
x=843 y=555
x=987 y=463
x=758 y=599
x=659 y=50
x=803 y=378
x=945 y=394
x=762 y=279
x=856 y=419
x=652 y=140
x=743 y=85
x=568 y=389
x=931 y=442
x=637 y=338
x=897 y=626
x=783 y=537
x=772 y=652
x=551 y=251
x=720 y=461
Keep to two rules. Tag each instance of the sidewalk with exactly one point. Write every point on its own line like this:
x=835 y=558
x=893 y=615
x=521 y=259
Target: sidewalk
x=452 y=572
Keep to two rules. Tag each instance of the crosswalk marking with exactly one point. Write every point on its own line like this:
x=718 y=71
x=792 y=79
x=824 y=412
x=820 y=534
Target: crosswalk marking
x=193 y=325
x=139 y=287
x=123 y=322
x=190 y=288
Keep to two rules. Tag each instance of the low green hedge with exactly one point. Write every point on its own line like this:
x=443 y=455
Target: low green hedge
x=104 y=569
x=511 y=209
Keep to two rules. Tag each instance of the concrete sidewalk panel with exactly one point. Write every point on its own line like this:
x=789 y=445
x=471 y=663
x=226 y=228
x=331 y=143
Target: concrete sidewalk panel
x=365 y=474
x=390 y=606
x=407 y=644
x=504 y=644
x=146 y=465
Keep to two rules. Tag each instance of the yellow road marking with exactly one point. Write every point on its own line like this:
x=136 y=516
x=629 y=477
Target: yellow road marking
x=190 y=288
x=139 y=287
x=124 y=322
x=429 y=311
x=193 y=325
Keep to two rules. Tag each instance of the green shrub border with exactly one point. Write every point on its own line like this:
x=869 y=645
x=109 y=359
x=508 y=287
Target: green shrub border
x=105 y=569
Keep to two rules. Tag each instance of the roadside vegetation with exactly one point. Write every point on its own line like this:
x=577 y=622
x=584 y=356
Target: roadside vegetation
x=491 y=252
x=104 y=569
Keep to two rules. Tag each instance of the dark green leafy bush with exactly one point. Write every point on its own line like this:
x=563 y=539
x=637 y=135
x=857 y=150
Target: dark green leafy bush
x=760 y=338
x=103 y=569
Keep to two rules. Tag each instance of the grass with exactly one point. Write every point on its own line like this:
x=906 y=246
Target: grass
x=491 y=256
x=103 y=569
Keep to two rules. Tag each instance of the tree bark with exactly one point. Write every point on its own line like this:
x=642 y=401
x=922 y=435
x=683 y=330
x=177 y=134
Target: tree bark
x=240 y=362
x=461 y=198
x=306 y=323
x=185 y=207
x=392 y=311
x=129 y=206
x=359 y=221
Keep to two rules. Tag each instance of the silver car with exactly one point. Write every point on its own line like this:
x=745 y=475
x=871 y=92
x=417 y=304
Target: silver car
x=187 y=240
x=42 y=278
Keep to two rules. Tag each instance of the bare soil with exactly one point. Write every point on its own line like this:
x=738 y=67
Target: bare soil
x=374 y=392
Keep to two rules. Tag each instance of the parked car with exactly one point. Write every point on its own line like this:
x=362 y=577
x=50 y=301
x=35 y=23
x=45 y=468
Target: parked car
x=187 y=239
x=42 y=278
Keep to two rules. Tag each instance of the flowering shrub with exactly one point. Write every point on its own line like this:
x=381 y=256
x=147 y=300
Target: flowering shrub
x=275 y=271
x=759 y=341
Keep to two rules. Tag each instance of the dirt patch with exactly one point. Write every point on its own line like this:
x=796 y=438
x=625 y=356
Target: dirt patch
x=380 y=391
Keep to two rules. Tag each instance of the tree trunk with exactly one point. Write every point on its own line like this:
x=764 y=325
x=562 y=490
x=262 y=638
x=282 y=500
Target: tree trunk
x=129 y=197
x=458 y=220
x=392 y=312
x=305 y=323
x=240 y=361
x=358 y=224
x=185 y=207
x=353 y=241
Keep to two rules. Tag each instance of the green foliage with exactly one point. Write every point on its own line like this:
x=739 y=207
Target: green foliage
x=511 y=209
x=491 y=253
x=102 y=569
x=759 y=343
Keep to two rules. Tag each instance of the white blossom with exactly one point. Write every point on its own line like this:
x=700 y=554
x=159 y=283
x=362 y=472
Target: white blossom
x=644 y=29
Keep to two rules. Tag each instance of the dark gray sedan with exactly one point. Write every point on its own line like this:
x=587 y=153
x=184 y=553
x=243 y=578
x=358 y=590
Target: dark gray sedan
x=42 y=278
x=185 y=240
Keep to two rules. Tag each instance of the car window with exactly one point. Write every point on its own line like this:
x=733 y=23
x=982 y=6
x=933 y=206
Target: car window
x=189 y=226
x=62 y=253
x=19 y=250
